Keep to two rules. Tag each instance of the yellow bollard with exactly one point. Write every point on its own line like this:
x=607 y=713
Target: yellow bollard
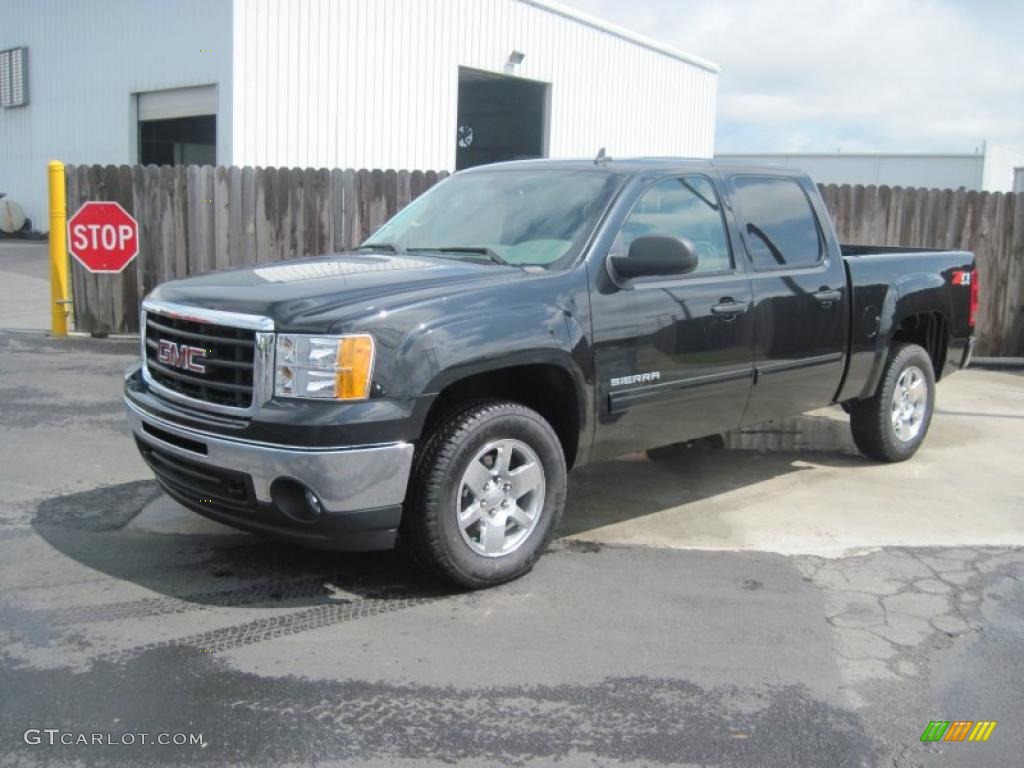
x=59 y=303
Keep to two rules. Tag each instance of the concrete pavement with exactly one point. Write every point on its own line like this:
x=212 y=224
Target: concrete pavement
x=24 y=285
x=778 y=601
x=799 y=486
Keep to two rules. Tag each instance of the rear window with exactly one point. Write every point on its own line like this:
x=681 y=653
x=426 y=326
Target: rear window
x=778 y=223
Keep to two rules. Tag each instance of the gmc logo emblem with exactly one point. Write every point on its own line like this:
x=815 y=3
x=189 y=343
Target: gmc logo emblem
x=181 y=356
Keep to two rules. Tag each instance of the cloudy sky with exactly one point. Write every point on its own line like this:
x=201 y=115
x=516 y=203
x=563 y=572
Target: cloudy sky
x=859 y=75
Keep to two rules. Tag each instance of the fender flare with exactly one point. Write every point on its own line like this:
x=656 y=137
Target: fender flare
x=916 y=294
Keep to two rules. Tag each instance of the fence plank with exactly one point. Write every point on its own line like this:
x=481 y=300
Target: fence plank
x=283 y=200
x=247 y=218
x=266 y=196
x=194 y=201
x=378 y=201
x=337 y=211
x=221 y=256
x=880 y=215
x=352 y=211
x=998 y=257
x=97 y=190
x=127 y=300
x=72 y=195
x=1014 y=319
x=323 y=211
x=403 y=190
x=208 y=178
x=363 y=193
x=310 y=215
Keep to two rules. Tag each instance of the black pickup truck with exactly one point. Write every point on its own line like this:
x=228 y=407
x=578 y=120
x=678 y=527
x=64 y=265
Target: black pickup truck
x=433 y=388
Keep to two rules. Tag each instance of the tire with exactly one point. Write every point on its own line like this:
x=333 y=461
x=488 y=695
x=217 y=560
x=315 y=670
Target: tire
x=878 y=431
x=448 y=485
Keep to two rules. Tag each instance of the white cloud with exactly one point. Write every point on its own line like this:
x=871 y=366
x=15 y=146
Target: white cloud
x=860 y=75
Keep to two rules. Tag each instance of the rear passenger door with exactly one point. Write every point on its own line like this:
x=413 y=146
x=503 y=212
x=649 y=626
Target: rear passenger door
x=800 y=299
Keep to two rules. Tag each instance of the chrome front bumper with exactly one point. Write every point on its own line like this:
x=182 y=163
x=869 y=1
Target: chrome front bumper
x=346 y=479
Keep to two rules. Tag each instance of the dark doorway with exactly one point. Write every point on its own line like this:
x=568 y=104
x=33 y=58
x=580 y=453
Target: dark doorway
x=500 y=118
x=178 y=141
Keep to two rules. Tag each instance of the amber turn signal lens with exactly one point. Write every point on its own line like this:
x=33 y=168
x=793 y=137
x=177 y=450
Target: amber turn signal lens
x=354 y=367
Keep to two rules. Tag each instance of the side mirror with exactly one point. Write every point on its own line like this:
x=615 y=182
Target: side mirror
x=654 y=255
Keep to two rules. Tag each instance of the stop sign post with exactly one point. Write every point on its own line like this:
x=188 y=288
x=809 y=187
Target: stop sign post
x=103 y=237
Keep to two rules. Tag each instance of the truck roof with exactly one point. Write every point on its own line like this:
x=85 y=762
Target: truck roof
x=637 y=165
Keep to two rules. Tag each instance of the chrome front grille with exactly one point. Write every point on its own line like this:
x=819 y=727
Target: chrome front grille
x=220 y=361
x=227 y=365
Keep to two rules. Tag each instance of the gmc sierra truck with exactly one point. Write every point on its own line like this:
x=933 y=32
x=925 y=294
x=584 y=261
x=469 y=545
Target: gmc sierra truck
x=433 y=388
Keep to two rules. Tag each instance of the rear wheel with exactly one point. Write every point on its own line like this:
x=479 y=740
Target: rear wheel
x=486 y=494
x=891 y=425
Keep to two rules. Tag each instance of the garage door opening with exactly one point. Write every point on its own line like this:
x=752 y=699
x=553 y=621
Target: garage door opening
x=179 y=141
x=500 y=118
x=178 y=126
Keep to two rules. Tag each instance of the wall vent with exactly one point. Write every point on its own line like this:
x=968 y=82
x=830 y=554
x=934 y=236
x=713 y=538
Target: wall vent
x=14 y=77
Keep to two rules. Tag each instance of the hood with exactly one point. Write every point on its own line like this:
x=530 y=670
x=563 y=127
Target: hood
x=315 y=292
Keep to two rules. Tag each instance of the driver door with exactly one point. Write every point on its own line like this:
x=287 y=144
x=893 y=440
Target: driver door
x=673 y=355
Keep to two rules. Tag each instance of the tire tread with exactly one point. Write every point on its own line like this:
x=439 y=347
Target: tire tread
x=421 y=531
x=870 y=419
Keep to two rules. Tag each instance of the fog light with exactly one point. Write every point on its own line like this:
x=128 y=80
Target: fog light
x=295 y=501
x=314 y=503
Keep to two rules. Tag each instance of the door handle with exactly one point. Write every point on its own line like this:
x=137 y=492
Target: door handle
x=827 y=297
x=728 y=309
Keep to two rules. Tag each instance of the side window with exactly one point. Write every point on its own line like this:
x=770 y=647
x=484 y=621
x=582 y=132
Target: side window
x=778 y=222
x=685 y=207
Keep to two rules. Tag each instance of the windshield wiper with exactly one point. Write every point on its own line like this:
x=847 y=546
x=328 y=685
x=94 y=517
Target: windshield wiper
x=481 y=251
x=393 y=247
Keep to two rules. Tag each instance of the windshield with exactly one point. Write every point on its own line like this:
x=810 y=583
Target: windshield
x=525 y=218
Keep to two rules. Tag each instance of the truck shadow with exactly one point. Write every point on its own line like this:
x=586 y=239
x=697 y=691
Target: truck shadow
x=629 y=488
x=236 y=569
x=211 y=568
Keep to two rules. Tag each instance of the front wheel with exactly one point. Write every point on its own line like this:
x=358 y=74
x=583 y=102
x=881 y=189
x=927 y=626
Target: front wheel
x=891 y=425
x=487 y=491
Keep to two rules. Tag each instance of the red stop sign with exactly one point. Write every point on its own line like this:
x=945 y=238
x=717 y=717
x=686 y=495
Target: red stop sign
x=103 y=237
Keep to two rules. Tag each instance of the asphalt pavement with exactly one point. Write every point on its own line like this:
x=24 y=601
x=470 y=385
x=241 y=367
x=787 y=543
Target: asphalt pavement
x=776 y=601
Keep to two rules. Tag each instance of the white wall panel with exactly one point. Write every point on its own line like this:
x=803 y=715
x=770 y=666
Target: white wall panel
x=905 y=170
x=332 y=83
x=86 y=60
x=1001 y=164
x=374 y=83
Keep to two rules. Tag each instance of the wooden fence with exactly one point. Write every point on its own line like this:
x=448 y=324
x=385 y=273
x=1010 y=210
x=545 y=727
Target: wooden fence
x=198 y=218
x=989 y=224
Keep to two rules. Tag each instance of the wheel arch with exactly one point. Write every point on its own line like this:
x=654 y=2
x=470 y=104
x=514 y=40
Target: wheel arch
x=547 y=383
x=916 y=317
x=928 y=329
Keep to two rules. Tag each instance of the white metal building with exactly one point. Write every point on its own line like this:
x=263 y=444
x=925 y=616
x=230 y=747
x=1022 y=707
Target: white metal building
x=990 y=170
x=414 y=84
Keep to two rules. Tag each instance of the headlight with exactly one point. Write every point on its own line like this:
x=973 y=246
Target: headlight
x=324 y=367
